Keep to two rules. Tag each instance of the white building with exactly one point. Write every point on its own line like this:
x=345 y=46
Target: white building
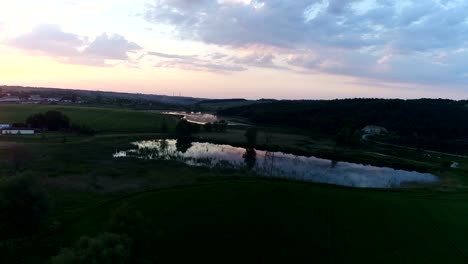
x=10 y=99
x=18 y=131
x=374 y=130
x=2 y=126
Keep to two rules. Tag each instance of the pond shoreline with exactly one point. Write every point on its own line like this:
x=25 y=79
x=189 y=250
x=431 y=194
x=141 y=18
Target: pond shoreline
x=277 y=164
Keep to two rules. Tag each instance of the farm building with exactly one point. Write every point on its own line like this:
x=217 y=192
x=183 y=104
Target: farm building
x=2 y=126
x=18 y=131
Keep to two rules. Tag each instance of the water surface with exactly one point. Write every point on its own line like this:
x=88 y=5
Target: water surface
x=277 y=164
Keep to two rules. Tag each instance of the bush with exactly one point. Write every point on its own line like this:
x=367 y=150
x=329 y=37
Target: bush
x=24 y=204
x=105 y=248
x=52 y=120
x=131 y=222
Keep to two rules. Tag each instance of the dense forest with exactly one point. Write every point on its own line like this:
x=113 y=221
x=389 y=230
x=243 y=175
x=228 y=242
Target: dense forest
x=427 y=123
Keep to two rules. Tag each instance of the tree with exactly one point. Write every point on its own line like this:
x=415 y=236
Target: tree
x=24 y=204
x=250 y=158
x=36 y=121
x=106 y=248
x=251 y=136
x=183 y=128
x=183 y=144
x=55 y=120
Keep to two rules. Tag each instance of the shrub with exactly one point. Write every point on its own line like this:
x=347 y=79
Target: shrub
x=106 y=248
x=24 y=204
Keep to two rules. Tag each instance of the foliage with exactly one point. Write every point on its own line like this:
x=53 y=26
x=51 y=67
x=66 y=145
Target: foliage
x=251 y=136
x=183 y=144
x=348 y=136
x=185 y=129
x=131 y=222
x=52 y=120
x=105 y=248
x=24 y=204
x=37 y=120
x=250 y=158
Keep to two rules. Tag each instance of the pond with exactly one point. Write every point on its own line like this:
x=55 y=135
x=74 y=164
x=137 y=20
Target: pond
x=201 y=118
x=276 y=164
x=195 y=117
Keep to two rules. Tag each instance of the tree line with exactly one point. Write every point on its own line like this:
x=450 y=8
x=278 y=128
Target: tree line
x=427 y=123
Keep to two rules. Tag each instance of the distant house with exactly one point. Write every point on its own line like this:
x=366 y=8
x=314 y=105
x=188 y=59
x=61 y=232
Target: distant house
x=53 y=100
x=2 y=126
x=35 y=98
x=18 y=131
x=10 y=99
x=374 y=130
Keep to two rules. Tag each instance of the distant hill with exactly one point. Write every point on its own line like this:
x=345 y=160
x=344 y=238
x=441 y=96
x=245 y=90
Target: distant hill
x=130 y=100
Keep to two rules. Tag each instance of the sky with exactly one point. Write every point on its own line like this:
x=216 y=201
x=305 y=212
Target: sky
x=283 y=49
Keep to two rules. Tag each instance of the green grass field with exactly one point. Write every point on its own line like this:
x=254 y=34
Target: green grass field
x=261 y=221
x=107 y=120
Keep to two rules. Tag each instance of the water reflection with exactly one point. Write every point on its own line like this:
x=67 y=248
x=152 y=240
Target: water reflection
x=183 y=144
x=275 y=164
x=250 y=158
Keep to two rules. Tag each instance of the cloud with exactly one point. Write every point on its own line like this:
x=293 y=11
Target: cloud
x=380 y=39
x=50 y=40
x=170 y=56
x=265 y=60
x=217 y=62
x=113 y=47
x=210 y=62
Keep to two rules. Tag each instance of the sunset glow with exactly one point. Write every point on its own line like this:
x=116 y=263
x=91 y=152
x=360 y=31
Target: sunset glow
x=250 y=49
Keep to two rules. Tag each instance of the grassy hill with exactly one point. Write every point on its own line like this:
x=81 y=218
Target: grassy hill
x=262 y=221
x=107 y=120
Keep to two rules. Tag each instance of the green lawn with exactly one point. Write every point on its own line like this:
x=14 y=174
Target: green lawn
x=244 y=221
x=107 y=120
